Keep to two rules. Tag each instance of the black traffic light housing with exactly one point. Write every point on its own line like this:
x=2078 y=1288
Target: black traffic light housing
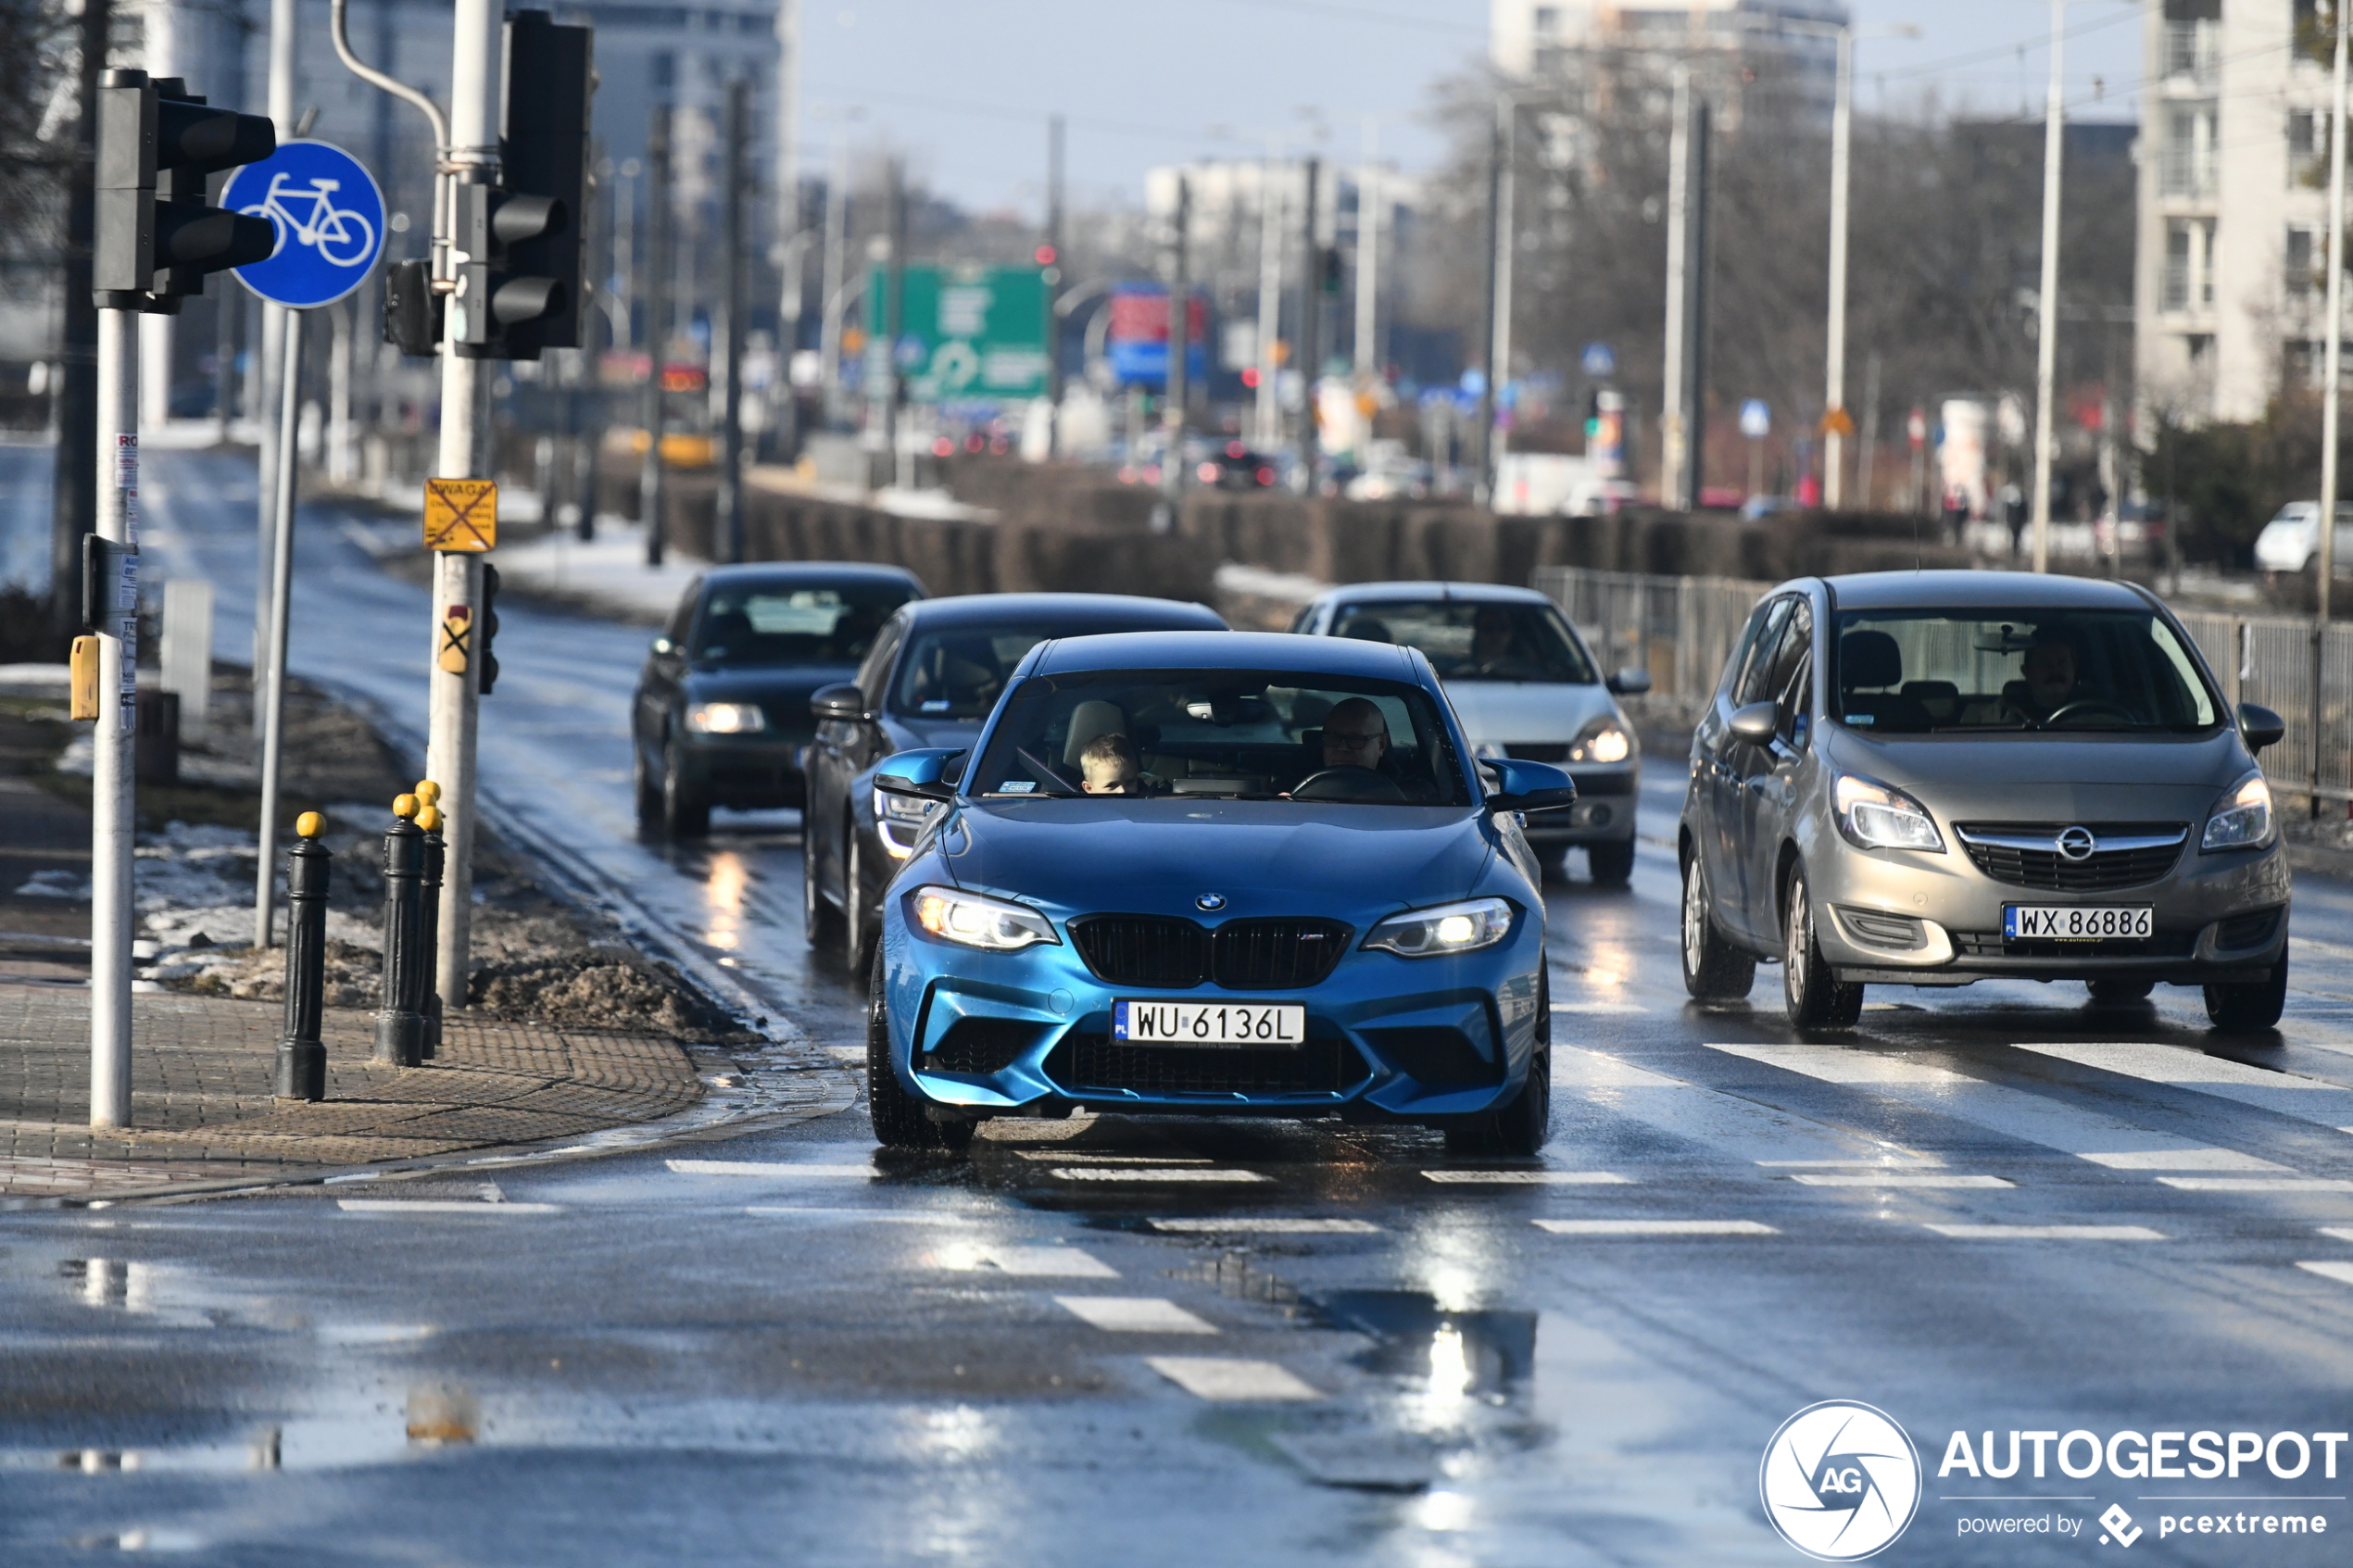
x=486 y=627
x=522 y=286
x=412 y=311
x=153 y=249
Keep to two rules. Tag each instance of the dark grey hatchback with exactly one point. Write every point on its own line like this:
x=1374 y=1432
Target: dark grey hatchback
x=722 y=709
x=1933 y=778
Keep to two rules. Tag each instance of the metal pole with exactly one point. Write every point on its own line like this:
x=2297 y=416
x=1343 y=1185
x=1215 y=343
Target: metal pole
x=285 y=18
x=1674 y=436
x=651 y=503
x=1311 y=312
x=273 y=726
x=79 y=462
x=1834 y=370
x=1499 y=342
x=1268 y=411
x=1054 y=133
x=464 y=454
x=1180 y=338
x=895 y=322
x=730 y=518
x=1365 y=355
x=112 y=807
x=2332 y=365
x=2047 y=334
x=1486 y=415
x=837 y=240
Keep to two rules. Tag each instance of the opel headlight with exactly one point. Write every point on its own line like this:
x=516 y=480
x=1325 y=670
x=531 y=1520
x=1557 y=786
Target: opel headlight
x=1603 y=740
x=2243 y=819
x=902 y=819
x=1872 y=816
x=1449 y=928
x=976 y=921
x=726 y=719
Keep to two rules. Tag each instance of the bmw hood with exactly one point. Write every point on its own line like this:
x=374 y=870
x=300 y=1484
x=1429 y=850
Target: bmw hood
x=1506 y=713
x=1261 y=858
x=2052 y=777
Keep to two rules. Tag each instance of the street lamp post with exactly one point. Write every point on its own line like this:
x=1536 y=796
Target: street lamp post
x=2046 y=332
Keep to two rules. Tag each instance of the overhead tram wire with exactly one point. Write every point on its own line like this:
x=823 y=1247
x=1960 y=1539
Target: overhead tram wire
x=2007 y=51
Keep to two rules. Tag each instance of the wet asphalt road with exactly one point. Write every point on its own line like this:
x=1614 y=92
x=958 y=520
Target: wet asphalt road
x=796 y=1355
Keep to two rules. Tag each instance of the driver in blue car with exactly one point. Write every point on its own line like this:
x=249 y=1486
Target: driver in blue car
x=1356 y=736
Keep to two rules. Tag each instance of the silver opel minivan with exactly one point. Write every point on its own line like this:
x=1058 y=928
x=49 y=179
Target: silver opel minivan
x=1931 y=778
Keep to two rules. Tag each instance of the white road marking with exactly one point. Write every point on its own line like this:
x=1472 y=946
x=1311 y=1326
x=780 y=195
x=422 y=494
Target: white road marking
x=2283 y=1094
x=874 y=1216
x=2341 y=1272
x=1066 y=1155
x=2039 y=1114
x=1610 y=1007
x=2182 y=1160
x=1134 y=1314
x=1530 y=1178
x=1891 y=1163
x=1219 y=1377
x=2340 y=1232
x=2049 y=1232
x=784 y=1169
x=1260 y=1225
x=2257 y=1183
x=1740 y=1127
x=438 y=1207
x=1655 y=1227
x=1899 y=1179
x=1149 y=1173
x=1039 y=1262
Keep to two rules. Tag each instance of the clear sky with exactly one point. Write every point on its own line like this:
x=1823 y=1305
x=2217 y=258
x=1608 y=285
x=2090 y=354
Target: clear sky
x=964 y=86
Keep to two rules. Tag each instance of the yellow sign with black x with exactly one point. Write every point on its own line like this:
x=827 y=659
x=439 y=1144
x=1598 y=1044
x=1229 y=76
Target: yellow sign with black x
x=461 y=514
x=457 y=638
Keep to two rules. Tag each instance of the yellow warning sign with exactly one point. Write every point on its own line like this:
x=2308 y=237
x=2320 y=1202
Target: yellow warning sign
x=461 y=514
x=457 y=638
x=1838 y=421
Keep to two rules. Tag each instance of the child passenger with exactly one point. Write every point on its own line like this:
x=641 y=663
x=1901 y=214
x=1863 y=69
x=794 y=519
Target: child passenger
x=1109 y=766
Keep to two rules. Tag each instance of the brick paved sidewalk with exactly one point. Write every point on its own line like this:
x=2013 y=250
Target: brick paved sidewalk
x=202 y=1109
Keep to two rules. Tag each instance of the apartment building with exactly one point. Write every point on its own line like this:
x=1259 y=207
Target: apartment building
x=1725 y=41
x=2234 y=214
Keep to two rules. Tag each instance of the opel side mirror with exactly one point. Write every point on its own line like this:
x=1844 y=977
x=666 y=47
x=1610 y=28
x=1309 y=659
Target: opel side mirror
x=1757 y=723
x=2260 y=726
x=1630 y=682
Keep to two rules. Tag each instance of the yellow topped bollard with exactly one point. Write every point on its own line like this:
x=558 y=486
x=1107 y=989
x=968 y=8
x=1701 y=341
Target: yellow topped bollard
x=301 y=1070
x=428 y=792
x=404 y=807
x=429 y=817
x=310 y=824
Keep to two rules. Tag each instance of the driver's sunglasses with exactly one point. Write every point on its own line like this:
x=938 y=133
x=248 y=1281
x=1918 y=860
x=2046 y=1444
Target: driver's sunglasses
x=1344 y=741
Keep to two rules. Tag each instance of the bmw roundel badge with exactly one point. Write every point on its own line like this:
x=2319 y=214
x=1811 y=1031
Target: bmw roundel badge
x=1210 y=902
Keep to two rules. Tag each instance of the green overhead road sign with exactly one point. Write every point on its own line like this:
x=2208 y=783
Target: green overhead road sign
x=966 y=333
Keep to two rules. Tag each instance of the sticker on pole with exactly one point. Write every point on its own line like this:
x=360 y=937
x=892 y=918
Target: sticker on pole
x=461 y=514
x=457 y=639
x=330 y=219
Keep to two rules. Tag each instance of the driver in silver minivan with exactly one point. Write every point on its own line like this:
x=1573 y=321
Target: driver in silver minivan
x=1933 y=778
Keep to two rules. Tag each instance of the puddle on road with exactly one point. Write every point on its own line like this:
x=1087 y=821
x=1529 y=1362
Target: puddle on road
x=1485 y=1353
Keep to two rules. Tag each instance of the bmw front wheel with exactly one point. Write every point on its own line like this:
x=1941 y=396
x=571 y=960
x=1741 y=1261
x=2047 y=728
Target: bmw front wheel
x=900 y=1120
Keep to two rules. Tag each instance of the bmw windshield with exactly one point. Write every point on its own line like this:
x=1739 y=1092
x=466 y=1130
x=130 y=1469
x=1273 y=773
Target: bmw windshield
x=1231 y=733
x=1924 y=671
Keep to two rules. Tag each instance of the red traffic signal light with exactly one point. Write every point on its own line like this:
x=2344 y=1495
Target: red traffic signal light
x=1047 y=256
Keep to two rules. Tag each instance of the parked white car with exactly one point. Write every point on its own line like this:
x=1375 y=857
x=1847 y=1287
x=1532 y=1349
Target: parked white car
x=2289 y=541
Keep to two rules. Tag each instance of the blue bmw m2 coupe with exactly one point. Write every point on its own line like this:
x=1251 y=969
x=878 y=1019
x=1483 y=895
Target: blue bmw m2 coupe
x=1216 y=874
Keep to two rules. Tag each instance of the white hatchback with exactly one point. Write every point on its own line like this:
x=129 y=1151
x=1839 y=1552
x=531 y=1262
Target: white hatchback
x=1524 y=685
x=2289 y=541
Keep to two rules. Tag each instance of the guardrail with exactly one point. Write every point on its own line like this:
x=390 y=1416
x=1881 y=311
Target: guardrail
x=1682 y=628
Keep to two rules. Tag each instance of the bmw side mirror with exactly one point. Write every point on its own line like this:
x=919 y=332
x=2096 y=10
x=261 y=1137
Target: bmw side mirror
x=922 y=774
x=1630 y=682
x=1529 y=786
x=2260 y=727
x=1757 y=723
x=842 y=702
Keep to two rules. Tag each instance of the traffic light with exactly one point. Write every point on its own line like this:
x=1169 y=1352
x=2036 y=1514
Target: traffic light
x=1330 y=279
x=520 y=290
x=412 y=311
x=486 y=626
x=150 y=251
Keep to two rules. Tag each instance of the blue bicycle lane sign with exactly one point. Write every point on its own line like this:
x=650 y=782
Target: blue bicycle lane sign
x=330 y=219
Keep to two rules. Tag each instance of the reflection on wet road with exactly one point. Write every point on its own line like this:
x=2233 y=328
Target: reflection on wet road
x=1180 y=1342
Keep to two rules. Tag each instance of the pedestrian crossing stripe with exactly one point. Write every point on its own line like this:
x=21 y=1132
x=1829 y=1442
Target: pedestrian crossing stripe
x=1228 y=1380
x=1528 y=1178
x=1897 y=1179
x=1265 y=1226
x=2048 y=1233
x=1134 y=1315
x=2257 y=1183
x=1655 y=1227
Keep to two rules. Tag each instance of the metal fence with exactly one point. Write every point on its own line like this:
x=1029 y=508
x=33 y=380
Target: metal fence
x=1682 y=630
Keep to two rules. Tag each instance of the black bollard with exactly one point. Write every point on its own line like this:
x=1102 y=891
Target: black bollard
x=302 y=1058
x=400 y=1027
x=429 y=913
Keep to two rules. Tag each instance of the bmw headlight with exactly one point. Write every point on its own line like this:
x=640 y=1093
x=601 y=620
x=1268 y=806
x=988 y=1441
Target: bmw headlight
x=1873 y=816
x=902 y=819
x=726 y=719
x=995 y=924
x=2243 y=819
x=1603 y=740
x=1449 y=928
